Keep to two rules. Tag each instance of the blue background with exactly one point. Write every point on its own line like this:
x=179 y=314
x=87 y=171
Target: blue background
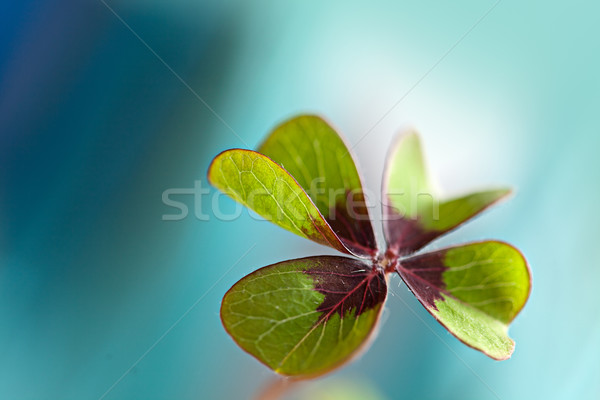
x=94 y=128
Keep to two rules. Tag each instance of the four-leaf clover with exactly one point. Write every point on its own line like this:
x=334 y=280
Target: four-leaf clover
x=307 y=316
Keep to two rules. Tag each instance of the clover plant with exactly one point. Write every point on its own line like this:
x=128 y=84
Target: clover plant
x=305 y=317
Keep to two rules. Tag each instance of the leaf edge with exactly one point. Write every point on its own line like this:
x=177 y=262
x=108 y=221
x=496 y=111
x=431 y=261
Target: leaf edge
x=529 y=289
x=357 y=353
x=341 y=248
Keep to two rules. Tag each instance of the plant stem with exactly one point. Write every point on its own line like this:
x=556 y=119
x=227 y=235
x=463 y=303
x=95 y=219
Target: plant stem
x=276 y=388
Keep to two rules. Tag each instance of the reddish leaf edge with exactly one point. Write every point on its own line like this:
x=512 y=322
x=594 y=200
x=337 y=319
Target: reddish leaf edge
x=441 y=323
x=356 y=354
x=384 y=190
x=372 y=253
x=340 y=246
x=430 y=236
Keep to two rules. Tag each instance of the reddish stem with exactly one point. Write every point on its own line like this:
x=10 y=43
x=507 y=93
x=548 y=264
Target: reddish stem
x=276 y=388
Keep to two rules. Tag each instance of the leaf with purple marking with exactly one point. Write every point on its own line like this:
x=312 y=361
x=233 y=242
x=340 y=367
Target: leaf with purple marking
x=316 y=156
x=307 y=316
x=413 y=213
x=474 y=290
x=260 y=184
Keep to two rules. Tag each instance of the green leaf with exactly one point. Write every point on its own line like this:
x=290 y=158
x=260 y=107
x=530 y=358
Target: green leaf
x=474 y=290
x=266 y=188
x=315 y=155
x=305 y=317
x=413 y=213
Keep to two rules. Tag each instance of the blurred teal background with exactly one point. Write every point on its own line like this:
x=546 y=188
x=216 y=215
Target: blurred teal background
x=94 y=128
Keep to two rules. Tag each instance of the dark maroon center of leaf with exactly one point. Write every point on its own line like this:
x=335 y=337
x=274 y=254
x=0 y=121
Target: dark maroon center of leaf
x=350 y=220
x=424 y=276
x=347 y=285
x=405 y=236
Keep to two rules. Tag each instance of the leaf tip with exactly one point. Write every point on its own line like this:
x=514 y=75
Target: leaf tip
x=213 y=164
x=408 y=135
x=502 y=356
